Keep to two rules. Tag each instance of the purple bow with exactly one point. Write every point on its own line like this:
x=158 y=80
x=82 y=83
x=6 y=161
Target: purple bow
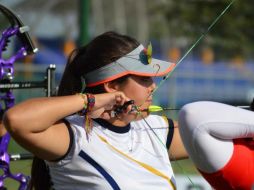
x=18 y=29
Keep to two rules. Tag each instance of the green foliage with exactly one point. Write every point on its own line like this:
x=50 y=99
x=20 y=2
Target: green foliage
x=233 y=34
x=184 y=167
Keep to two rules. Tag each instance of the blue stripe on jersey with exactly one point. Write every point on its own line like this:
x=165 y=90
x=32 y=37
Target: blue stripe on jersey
x=173 y=180
x=102 y=171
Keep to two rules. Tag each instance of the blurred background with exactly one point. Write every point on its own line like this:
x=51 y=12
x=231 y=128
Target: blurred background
x=219 y=68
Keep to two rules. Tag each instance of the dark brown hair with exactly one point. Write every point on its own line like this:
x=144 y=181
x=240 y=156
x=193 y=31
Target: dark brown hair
x=101 y=51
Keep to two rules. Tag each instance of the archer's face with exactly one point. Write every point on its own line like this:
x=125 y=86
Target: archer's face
x=139 y=89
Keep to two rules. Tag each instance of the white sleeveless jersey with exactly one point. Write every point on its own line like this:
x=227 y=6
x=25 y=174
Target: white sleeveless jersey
x=127 y=159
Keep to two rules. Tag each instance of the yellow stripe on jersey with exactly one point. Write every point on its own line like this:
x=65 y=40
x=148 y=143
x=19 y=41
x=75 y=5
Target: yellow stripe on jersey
x=146 y=166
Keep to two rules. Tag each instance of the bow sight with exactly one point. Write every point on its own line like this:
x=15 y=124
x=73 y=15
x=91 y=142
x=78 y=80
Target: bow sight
x=18 y=29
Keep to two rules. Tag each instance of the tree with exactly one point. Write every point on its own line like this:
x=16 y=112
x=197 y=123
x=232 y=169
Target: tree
x=233 y=34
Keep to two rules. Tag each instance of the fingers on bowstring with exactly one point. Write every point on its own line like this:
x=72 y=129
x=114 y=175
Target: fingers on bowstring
x=125 y=108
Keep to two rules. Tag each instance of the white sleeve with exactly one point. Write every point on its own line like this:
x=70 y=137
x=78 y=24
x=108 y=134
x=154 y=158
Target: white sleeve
x=207 y=130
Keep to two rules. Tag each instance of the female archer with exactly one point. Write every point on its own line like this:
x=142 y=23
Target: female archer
x=94 y=135
x=220 y=141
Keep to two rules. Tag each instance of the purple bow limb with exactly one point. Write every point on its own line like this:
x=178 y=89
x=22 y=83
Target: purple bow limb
x=7 y=73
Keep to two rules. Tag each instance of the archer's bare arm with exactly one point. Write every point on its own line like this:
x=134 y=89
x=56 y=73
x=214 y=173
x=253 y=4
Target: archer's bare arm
x=37 y=124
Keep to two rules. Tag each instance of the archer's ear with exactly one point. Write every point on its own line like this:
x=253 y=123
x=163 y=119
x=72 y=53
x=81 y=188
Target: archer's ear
x=110 y=86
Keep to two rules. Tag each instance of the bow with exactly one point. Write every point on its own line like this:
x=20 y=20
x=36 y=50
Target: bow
x=16 y=28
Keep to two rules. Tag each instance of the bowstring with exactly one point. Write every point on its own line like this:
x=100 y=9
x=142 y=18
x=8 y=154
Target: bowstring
x=170 y=73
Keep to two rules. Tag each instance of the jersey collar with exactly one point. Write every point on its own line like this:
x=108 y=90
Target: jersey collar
x=111 y=127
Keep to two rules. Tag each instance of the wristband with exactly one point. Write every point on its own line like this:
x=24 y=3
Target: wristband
x=84 y=110
x=90 y=102
x=88 y=122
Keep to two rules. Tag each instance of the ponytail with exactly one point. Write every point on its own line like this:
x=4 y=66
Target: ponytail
x=40 y=175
